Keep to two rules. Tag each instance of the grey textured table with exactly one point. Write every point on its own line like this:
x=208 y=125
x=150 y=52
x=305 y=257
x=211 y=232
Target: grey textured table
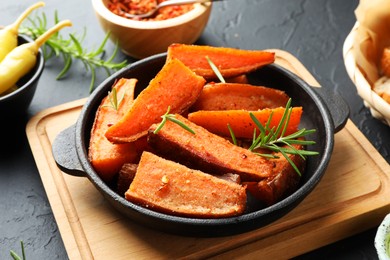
x=313 y=31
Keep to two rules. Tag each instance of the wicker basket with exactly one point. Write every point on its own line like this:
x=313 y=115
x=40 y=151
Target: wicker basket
x=379 y=108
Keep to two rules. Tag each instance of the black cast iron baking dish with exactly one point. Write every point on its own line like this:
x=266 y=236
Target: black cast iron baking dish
x=71 y=145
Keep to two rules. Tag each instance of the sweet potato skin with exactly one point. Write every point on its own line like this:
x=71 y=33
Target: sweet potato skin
x=175 y=86
x=174 y=189
x=125 y=177
x=235 y=96
x=231 y=62
x=105 y=157
x=283 y=182
x=241 y=122
x=207 y=152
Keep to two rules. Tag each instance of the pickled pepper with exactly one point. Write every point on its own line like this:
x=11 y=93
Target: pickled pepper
x=9 y=34
x=23 y=58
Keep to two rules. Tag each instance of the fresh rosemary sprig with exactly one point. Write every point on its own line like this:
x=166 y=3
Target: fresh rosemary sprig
x=234 y=139
x=16 y=256
x=276 y=141
x=113 y=98
x=172 y=118
x=215 y=69
x=72 y=48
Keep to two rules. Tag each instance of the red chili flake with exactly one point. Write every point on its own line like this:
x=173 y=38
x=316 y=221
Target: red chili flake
x=118 y=7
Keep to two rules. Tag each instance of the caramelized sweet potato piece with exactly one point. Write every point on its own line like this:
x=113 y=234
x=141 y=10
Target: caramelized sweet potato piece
x=230 y=62
x=283 y=182
x=105 y=157
x=206 y=151
x=172 y=188
x=243 y=79
x=241 y=122
x=175 y=86
x=235 y=96
x=125 y=177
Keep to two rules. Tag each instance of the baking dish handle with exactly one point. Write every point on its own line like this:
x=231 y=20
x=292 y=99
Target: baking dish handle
x=65 y=154
x=337 y=106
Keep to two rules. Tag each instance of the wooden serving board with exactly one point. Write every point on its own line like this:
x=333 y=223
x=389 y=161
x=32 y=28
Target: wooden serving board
x=354 y=195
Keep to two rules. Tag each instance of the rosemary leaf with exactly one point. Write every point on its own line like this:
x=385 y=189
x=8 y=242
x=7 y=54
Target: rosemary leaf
x=300 y=133
x=215 y=69
x=291 y=162
x=172 y=118
x=158 y=128
x=77 y=44
x=16 y=256
x=113 y=55
x=266 y=155
x=93 y=78
x=232 y=134
x=301 y=141
x=163 y=121
x=113 y=97
x=287 y=121
x=274 y=140
x=67 y=65
x=100 y=49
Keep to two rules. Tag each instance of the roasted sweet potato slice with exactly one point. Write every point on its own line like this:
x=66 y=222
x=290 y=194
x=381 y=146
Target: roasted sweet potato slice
x=241 y=122
x=231 y=62
x=172 y=188
x=206 y=151
x=105 y=157
x=283 y=182
x=175 y=86
x=235 y=96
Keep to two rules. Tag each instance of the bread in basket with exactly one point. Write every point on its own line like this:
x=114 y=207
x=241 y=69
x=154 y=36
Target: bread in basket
x=363 y=50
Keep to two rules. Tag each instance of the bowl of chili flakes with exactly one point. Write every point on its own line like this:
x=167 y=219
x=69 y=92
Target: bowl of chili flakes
x=140 y=38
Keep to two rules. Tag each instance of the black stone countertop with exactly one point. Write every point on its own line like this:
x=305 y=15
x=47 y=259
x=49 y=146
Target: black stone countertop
x=313 y=31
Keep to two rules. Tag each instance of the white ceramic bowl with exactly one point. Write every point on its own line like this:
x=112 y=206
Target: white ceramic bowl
x=141 y=39
x=382 y=239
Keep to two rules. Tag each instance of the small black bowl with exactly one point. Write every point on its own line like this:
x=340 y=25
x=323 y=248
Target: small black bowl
x=19 y=100
x=70 y=150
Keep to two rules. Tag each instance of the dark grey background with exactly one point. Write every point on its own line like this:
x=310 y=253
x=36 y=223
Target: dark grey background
x=313 y=31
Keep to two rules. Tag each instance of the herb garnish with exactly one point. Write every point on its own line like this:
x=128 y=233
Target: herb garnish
x=172 y=118
x=71 y=48
x=274 y=139
x=215 y=69
x=234 y=139
x=271 y=138
x=113 y=97
x=15 y=256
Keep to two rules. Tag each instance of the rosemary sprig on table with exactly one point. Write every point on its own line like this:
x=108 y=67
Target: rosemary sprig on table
x=16 y=256
x=172 y=118
x=72 y=48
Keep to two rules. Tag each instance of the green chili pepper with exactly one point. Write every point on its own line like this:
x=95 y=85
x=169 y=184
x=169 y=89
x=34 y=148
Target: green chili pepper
x=9 y=34
x=23 y=58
